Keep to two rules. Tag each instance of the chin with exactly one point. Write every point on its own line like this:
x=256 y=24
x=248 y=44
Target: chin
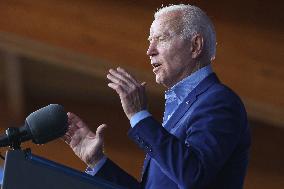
x=160 y=81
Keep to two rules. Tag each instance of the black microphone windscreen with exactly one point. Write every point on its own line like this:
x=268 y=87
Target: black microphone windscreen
x=47 y=123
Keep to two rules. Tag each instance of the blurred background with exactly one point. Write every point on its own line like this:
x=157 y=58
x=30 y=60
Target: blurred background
x=60 y=51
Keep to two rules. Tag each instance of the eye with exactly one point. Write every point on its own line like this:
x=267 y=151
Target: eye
x=163 y=38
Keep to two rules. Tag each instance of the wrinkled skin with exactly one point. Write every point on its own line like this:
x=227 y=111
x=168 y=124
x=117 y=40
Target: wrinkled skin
x=88 y=146
x=173 y=59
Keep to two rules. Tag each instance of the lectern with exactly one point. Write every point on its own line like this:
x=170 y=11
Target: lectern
x=23 y=170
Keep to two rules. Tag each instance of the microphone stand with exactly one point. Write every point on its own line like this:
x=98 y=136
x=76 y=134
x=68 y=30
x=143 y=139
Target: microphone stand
x=14 y=140
x=13 y=134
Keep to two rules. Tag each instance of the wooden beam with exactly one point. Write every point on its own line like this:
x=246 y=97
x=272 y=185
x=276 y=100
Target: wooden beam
x=14 y=87
x=87 y=65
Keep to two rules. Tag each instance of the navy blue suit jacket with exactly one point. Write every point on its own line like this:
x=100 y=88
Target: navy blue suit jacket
x=204 y=145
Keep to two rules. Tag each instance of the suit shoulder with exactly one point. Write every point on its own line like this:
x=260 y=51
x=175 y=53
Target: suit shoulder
x=222 y=93
x=223 y=90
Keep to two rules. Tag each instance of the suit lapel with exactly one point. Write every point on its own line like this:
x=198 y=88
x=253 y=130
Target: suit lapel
x=145 y=168
x=181 y=110
x=190 y=99
x=146 y=161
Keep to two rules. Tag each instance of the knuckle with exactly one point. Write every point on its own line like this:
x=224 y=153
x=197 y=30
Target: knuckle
x=115 y=86
x=120 y=82
x=132 y=90
x=118 y=87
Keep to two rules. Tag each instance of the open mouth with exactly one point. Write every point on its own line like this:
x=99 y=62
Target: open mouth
x=155 y=65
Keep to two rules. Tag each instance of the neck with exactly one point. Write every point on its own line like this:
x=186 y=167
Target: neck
x=199 y=65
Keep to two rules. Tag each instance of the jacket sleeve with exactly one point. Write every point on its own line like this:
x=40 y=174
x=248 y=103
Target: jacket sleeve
x=113 y=173
x=212 y=133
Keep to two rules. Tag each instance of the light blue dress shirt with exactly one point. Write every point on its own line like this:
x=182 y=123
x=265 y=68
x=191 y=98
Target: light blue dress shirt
x=176 y=94
x=174 y=97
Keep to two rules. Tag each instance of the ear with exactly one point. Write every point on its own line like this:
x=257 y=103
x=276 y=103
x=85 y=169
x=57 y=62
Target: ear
x=196 y=45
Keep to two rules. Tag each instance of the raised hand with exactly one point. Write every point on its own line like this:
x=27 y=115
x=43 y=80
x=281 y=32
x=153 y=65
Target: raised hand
x=132 y=93
x=87 y=145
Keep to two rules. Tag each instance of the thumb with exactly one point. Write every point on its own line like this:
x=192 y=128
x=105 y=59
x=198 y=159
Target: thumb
x=100 y=131
x=143 y=84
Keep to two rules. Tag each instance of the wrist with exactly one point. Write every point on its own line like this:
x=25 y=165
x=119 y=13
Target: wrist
x=92 y=163
x=129 y=116
x=138 y=117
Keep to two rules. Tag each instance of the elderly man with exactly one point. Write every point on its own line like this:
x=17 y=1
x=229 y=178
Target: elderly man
x=204 y=139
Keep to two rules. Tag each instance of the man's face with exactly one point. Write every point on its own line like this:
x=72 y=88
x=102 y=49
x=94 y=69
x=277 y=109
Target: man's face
x=170 y=54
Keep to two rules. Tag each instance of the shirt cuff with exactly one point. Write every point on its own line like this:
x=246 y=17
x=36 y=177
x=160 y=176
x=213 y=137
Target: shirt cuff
x=93 y=170
x=138 y=117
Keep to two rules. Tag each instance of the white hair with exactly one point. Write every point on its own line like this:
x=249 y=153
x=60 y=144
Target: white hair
x=194 y=21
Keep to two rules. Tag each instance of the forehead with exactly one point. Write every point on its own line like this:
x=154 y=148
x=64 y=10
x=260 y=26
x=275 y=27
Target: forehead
x=165 y=23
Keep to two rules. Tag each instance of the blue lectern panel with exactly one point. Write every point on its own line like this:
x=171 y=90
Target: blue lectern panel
x=27 y=171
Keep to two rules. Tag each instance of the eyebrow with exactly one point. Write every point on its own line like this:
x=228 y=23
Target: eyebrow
x=158 y=36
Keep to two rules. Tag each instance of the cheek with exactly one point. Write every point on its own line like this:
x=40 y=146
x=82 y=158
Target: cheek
x=164 y=46
x=167 y=53
x=169 y=59
x=179 y=57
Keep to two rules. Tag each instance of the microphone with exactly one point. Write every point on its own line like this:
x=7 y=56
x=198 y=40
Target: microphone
x=41 y=126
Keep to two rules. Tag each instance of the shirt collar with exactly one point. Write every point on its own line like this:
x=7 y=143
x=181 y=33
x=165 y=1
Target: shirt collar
x=180 y=90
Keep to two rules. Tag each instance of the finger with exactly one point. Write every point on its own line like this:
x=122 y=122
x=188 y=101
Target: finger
x=100 y=131
x=121 y=77
x=115 y=79
x=119 y=89
x=66 y=139
x=143 y=86
x=70 y=115
x=76 y=139
x=130 y=77
x=75 y=120
x=72 y=129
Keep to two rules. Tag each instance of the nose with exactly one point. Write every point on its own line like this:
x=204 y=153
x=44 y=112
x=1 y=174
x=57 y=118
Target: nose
x=152 y=50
